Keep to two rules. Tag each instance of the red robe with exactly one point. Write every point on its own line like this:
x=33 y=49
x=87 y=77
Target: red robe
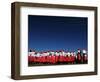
x=67 y=59
x=85 y=58
x=72 y=59
x=61 y=58
x=43 y=59
x=56 y=59
x=53 y=59
x=79 y=57
x=50 y=59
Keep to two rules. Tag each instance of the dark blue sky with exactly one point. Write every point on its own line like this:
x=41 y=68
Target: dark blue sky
x=57 y=33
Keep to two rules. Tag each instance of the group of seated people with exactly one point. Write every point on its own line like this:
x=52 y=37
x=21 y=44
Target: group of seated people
x=57 y=57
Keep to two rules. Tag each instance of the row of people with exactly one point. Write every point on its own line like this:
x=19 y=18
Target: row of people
x=57 y=57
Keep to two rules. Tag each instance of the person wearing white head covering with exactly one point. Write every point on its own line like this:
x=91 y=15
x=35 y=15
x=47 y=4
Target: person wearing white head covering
x=47 y=54
x=84 y=51
x=40 y=57
x=60 y=56
x=46 y=57
x=79 y=57
x=84 y=56
x=31 y=53
x=56 y=56
x=71 y=57
x=68 y=53
x=60 y=53
x=64 y=56
x=52 y=52
x=31 y=56
x=56 y=53
x=37 y=54
x=63 y=53
x=75 y=56
x=79 y=51
x=72 y=53
x=68 y=57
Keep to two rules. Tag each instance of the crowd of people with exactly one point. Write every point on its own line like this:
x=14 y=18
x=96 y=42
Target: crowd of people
x=58 y=57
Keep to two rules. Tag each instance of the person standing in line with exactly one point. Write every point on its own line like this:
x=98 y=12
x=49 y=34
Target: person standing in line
x=79 y=58
x=69 y=59
x=31 y=56
x=75 y=57
x=66 y=58
x=85 y=58
x=56 y=56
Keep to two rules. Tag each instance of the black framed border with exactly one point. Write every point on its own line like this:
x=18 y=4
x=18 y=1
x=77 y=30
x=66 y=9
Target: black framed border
x=15 y=40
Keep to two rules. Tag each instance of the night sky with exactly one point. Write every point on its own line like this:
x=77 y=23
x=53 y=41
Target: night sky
x=57 y=33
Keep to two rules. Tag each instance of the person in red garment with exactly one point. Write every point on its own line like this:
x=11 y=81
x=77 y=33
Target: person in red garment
x=60 y=57
x=84 y=57
x=63 y=56
x=46 y=55
x=72 y=58
x=40 y=58
x=47 y=58
x=43 y=58
x=75 y=57
x=34 y=56
x=79 y=58
x=37 y=55
x=31 y=56
x=52 y=57
x=67 y=59
x=57 y=57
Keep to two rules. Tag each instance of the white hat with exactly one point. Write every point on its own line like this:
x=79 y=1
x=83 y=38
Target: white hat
x=57 y=54
x=79 y=50
x=74 y=53
x=84 y=51
x=68 y=53
x=71 y=53
x=38 y=54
